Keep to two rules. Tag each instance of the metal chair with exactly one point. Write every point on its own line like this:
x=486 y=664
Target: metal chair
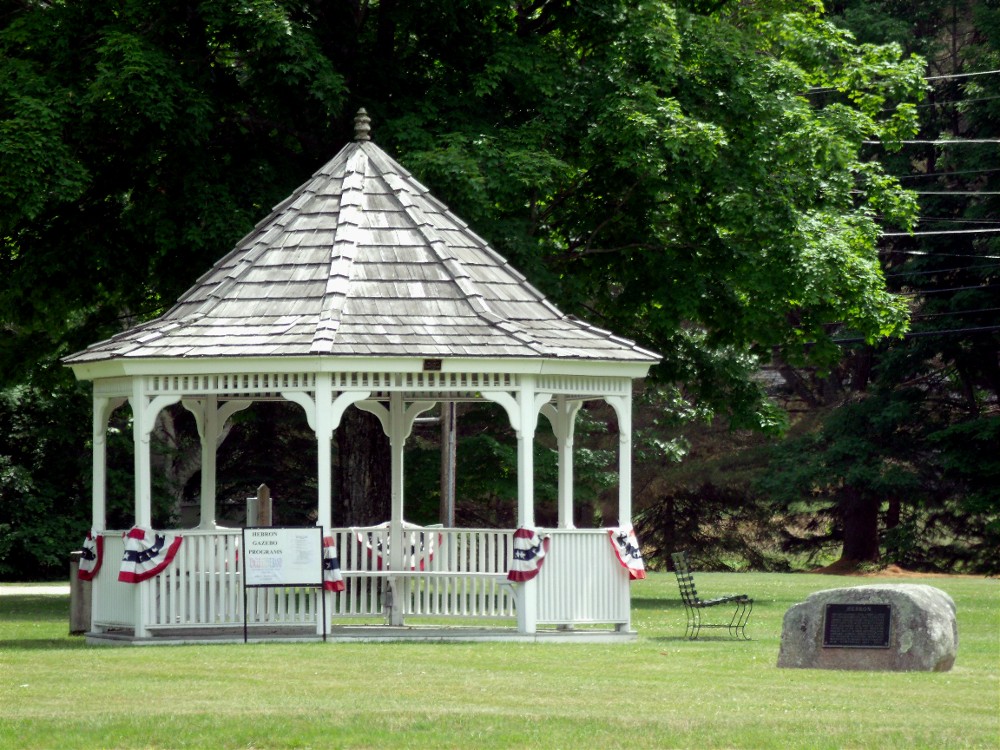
x=693 y=604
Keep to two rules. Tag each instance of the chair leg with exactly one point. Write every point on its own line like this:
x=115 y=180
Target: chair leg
x=745 y=619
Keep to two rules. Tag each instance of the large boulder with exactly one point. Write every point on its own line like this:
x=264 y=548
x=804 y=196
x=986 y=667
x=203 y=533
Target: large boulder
x=887 y=627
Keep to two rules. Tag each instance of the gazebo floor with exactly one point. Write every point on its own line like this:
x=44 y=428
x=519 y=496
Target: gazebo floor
x=357 y=633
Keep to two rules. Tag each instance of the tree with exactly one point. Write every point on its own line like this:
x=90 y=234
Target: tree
x=904 y=458
x=659 y=168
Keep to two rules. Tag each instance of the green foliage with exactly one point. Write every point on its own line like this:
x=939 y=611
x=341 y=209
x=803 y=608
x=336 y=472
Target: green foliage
x=693 y=175
x=44 y=478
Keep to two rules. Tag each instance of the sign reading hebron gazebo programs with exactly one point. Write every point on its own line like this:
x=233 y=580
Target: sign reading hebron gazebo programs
x=278 y=556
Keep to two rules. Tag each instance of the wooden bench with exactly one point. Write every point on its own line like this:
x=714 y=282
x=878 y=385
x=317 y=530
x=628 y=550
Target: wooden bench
x=694 y=605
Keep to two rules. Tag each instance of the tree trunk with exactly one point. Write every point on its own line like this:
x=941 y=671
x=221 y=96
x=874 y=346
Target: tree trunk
x=859 y=514
x=365 y=468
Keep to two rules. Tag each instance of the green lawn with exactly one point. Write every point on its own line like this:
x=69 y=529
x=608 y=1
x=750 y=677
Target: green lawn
x=660 y=691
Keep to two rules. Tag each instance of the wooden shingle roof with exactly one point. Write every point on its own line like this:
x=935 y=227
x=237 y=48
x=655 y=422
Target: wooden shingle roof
x=363 y=261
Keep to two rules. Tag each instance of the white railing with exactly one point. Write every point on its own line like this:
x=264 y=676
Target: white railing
x=113 y=603
x=582 y=582
x=444 y=573
x=458 y=573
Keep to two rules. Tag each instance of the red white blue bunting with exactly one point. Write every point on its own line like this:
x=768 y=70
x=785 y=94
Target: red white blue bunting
x=146 y=554
x=529 y=554
x=626 y=548
x=416 y=554
x=92 y=556
x=333 y=579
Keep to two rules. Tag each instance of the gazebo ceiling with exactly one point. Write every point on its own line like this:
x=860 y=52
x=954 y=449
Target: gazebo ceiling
x=362 y=261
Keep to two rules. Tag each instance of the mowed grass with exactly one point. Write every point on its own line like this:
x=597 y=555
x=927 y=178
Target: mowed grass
x=658 y=692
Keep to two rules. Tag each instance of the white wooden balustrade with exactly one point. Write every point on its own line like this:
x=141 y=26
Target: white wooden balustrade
x=446 y=573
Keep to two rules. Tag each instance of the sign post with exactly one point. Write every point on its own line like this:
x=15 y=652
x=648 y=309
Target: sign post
x=280 y=556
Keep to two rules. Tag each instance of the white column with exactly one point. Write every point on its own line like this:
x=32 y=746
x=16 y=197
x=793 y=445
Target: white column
x=623 y=409
x=144 y=411
x=397 y=438
x=562 y=416
x=324 y=427
x=143 y=512
x=210 y=419
x=528 y=420
x=397 y=423
x=527 y=610
x=103 y=407
x=523 y=412
x=209 y=434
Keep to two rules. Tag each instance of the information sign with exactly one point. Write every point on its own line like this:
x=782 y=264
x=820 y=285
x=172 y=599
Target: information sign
x=283 y=556
x=857 y=625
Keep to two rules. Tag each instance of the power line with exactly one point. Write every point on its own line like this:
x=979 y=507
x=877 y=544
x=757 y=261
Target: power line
x=938 y=255
x=924 y=292
x=895 y=107
x=920 y=334
x=961 y=75
x=957 y=192
x=951 y=220
x=932 y=232
x=939 y=142
x=944 y=174
x=924 y=316
x=826 y=89
x=940 y=270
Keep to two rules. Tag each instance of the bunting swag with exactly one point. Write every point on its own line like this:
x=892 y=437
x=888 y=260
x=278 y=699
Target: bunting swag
x=416 y=554
x=529 y=553
x=626 y=547
x=92 y=556
x=146 y=554
x=333 y=580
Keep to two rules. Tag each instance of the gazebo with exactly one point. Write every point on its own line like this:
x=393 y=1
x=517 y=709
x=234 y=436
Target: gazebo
x=363 y=290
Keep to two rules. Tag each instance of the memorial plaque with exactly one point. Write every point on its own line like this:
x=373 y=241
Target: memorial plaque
x=856 y=625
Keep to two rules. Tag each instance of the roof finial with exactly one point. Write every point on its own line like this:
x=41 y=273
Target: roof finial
x=362 y=126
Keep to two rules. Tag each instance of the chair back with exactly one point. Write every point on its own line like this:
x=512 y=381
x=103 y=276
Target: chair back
x=685 y=580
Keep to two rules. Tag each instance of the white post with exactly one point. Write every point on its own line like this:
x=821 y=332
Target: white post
x=210 y=419
x=523 y=412
x=103 y=407
x=525 y=452
x=562 y=415
x=209 y=443
x=324 y=427
x=527 y=611
x=397 y=418
x=623 y=409
x=143 y=513
x=144 y=411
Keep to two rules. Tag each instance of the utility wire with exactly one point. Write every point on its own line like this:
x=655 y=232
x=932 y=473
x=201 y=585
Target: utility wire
x=940 y=142
x=940 y=270
x=895 y=107
x=920 y=334
x=825 y=89
x=922 y=219
x=961 y=75
x=924 y=292
x=932 y=232
x=924 y=316
x=943 y=174
x=936 y=254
